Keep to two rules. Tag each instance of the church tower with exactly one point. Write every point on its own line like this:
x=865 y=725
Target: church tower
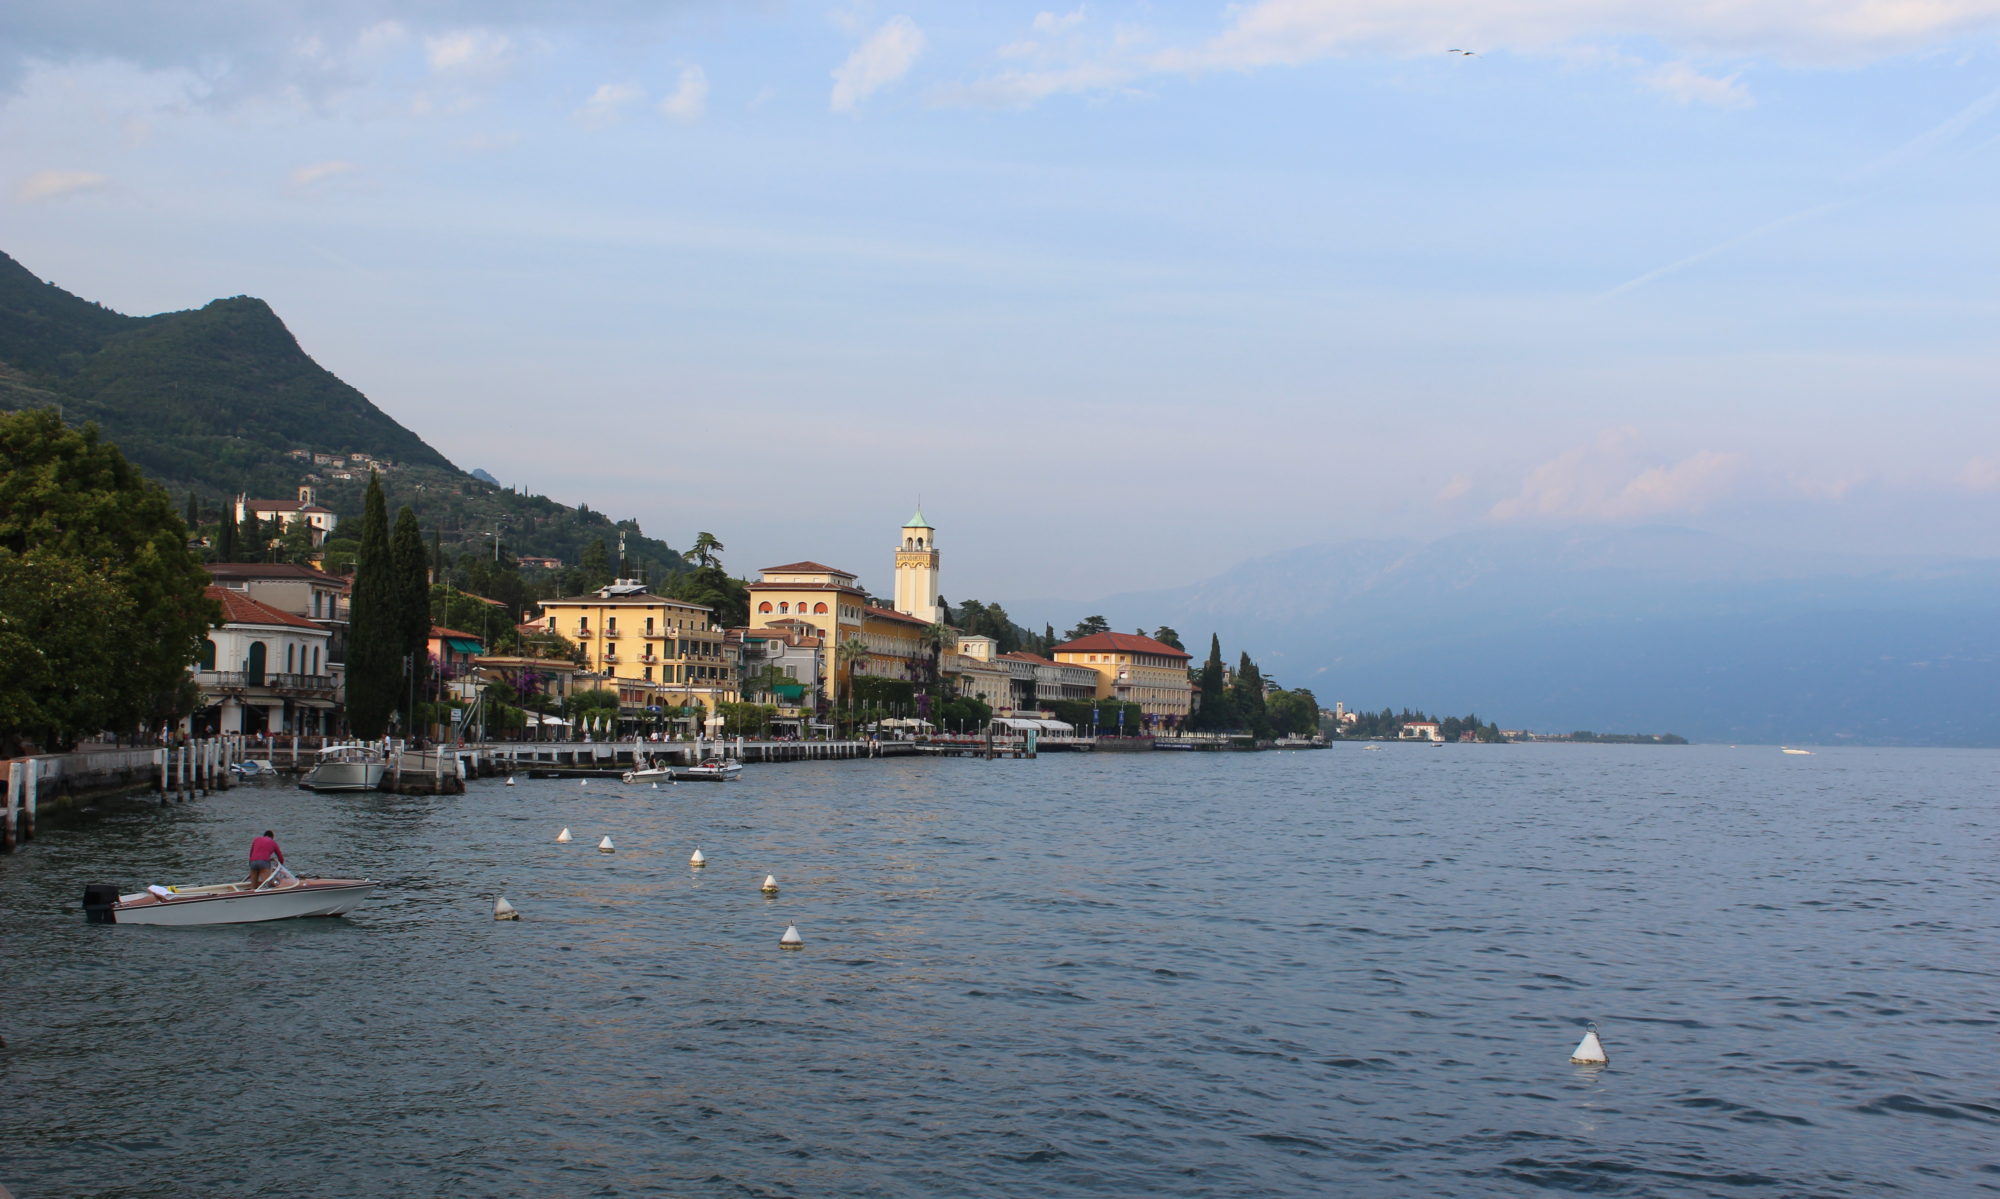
x=917 y=571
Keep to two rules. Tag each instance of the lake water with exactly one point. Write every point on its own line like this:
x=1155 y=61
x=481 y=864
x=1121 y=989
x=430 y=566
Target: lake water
x=1347 y=971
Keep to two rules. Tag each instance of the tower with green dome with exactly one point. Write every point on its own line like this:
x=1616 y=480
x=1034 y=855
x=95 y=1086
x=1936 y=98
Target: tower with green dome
x=917 y=571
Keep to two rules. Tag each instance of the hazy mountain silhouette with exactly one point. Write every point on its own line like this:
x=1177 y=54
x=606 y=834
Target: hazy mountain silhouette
x=1617 y=629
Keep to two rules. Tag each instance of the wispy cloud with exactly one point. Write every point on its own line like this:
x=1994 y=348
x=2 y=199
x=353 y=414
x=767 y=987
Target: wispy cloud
x=468 y=50
x=1682 y=82
x=318 y=175
x=1611 y=479
x=689 y=99
x=884 y=58
x=1294 y=33
x=607 y=104
x=54 y=184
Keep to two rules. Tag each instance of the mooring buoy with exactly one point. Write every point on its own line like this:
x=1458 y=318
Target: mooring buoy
x=770 y=884
x=791 y=939
x=502 y=910
x=1590 y=1050
x=563 y=837
x=697 y=859
x=510 y=780
x=605 y=846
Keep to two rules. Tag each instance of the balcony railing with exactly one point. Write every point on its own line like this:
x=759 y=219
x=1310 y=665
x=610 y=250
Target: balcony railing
x=583 y=634
x=611 y=658
x=238 y=680
x=648 y=658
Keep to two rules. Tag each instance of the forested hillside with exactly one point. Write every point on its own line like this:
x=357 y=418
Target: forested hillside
x=209 y=402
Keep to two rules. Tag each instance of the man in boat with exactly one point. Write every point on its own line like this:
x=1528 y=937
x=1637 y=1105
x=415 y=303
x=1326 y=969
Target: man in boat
x=264 y=852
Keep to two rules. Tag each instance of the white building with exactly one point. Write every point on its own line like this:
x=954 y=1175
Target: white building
x=322 y=520
x=264 y=671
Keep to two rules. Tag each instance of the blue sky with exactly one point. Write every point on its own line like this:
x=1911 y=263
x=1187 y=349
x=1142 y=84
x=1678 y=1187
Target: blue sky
x=1126 y=292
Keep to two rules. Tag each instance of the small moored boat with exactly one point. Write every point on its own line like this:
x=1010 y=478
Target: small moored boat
x=650 y=772
x=716 y=769
x=253 y=768
x=280 y=897
x=350 y=766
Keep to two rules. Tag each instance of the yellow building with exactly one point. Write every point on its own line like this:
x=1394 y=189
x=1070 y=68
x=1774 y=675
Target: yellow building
x=1135 y=669
x=823 y=597
x=661 y=651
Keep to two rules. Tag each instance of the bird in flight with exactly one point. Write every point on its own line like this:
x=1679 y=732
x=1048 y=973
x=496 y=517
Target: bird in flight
x=1467 y=53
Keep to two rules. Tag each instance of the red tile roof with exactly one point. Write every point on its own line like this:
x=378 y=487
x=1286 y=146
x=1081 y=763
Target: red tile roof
x=890 y=614
x=271 y=570
x=1025 y=656
x=238 y=608
x=438 y=630
x=1120 y=643
x=815 y=566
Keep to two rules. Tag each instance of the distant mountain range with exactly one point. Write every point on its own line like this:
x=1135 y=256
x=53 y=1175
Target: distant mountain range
x=212 y=400
x=1616 y=629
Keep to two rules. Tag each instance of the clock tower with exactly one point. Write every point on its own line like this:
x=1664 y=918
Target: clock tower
x=917 y=571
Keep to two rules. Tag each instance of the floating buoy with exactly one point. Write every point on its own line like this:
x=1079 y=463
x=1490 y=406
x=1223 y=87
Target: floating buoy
x=656 y=786
x=583 y=782
x=791 y=939
x=502 y=910
x=510 y=780
x=697 y=859
x=770 y=884
x=563 y=837
x=1589 y=1051
x=605 y=846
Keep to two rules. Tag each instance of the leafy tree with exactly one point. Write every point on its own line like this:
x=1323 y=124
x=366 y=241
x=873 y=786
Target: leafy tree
x=967 y=712
x=1087 y=626
x=706 y=552
x=295 y=544
x=1166 y=636
x=337 y=554
x=76 y=517
x=1246 y=694
x=1293 y=713
x=595 y=569
x=375 y=636
x=410 y=565
x=711 y=587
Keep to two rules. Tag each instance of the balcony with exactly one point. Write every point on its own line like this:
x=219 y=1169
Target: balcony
x=657 y=634
x=583 y=634
x=610 y=659
x=648 y=657
x=241 y=680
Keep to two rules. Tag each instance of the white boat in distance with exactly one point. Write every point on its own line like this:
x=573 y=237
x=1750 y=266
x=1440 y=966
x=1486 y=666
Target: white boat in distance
x=1806 y=753
x=717 y=769
x=280 y=897
x=651 y=772
x=349 y=766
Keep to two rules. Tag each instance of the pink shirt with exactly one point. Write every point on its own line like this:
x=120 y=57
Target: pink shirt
x=263 y=849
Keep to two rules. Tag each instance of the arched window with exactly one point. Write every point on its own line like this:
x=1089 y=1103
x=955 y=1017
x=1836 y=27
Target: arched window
x=254 y=668
x=784 y=608
x=290 y=656
x=207 y=659
x=820 y=608
x=765 y=606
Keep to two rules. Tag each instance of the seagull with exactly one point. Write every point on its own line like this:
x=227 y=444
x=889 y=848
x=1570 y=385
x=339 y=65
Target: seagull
x=1467 y=53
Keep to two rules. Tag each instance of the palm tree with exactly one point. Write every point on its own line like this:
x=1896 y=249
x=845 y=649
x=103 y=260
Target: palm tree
x=936 y=638
x=706 y=550
x=846 y=655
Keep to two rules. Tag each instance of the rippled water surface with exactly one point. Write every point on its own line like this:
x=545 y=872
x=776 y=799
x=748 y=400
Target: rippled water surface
x=1160 y=974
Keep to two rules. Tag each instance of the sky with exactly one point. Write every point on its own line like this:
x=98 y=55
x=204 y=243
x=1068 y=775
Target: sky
x=1124 y=293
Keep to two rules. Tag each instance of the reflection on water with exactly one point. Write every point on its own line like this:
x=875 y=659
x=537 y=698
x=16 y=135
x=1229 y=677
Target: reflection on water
x=1276 y=974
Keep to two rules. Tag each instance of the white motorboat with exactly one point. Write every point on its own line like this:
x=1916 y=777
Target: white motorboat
x=280 y=897
x=1803 y=753
x=715 y=769
x=651 y=772
x=350 y=766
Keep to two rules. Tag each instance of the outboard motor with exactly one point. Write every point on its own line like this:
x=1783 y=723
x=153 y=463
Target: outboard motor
x=98 y=900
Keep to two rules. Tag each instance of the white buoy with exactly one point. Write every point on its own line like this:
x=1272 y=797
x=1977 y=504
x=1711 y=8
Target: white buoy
x=791 y=939
x=605 y=846
x=583 y=782
x=1590 y=1050
x=510 y=780
x=502 y=910
x=697 y=859
x=563 y=837
x=656 y=786
x=770 y=884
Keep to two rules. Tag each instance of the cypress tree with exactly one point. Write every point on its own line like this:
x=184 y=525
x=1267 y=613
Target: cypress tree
x=249 y=538
x=410 y=569
x=375 y=643
x=225 y=547
x=193 y=514
x=1216 y=710
x=1248 y=696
